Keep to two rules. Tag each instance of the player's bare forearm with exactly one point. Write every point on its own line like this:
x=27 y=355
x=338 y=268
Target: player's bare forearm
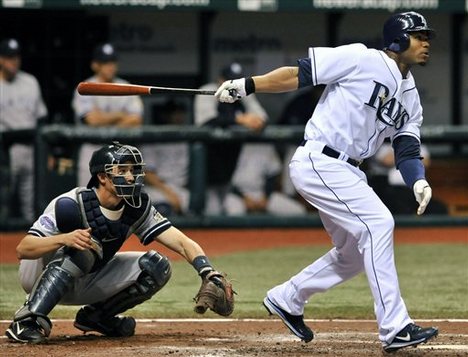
x=283 y=79
x=99 y=118
x=32 y=247
x=178 y=242
x=130 y=120
x=121 y=119
x=251 y=121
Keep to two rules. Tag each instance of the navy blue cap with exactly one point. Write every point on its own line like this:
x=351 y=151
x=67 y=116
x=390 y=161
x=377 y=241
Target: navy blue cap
x=105 y=53
x=10 y=48
x=232 y=71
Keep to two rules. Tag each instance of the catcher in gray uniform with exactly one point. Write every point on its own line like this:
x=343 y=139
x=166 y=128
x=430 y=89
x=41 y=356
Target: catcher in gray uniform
x=70 y=254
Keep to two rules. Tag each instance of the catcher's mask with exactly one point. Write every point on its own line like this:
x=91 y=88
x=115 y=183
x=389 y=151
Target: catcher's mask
x=397 y=29
x=115 y=161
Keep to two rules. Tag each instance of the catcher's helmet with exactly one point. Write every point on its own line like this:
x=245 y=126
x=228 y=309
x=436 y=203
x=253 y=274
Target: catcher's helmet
x=109 y=156
x=397 y=28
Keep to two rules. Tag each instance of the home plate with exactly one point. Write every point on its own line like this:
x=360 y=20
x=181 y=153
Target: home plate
x=444 y=347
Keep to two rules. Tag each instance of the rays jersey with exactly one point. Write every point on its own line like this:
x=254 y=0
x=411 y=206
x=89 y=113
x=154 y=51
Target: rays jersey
x=367 y=99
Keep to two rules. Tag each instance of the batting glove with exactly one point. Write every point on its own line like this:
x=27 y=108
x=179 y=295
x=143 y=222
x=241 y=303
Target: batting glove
x=423 y=193
x=232 y=90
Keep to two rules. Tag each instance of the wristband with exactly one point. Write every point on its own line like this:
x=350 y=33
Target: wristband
x=249 y=86
x=202 y=265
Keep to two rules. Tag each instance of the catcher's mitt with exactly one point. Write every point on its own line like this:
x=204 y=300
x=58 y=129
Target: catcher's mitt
x=216 y=294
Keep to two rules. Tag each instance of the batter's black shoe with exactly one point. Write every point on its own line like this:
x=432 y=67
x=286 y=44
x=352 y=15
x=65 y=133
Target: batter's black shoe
x=293 y=322
x=26 y=331
x=116 y=326
x=411 y=335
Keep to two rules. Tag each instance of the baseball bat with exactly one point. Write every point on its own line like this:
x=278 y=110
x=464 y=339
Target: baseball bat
x=113 y=89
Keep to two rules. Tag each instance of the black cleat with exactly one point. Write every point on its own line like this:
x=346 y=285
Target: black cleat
x=26 y=331
x=116 y=326
x=411 y=335
x=294 y=323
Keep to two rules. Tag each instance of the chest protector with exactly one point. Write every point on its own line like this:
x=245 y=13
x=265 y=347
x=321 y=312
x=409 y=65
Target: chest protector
x=111 y=234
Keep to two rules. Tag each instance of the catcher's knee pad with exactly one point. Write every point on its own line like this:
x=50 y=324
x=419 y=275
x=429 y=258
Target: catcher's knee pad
x=155 y=273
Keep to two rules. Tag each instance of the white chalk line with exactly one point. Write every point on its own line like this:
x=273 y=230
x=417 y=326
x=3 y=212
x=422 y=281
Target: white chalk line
x=175 y=320
x=360 y=338
x=345 y=337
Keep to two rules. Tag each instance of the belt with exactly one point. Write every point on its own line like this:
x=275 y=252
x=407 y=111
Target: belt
x=335 y=154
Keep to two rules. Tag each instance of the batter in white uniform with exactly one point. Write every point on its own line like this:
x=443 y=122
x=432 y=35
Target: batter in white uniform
x=370 y=95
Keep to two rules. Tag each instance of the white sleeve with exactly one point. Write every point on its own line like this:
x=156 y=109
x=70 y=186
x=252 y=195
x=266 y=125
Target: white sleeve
x=205 y=107
x=331 y=64
x=152 y=226
x=41 y=109
x=274 y=163
x=81 y=105
x=134 y=105
x=149 y=154
x=413 y=126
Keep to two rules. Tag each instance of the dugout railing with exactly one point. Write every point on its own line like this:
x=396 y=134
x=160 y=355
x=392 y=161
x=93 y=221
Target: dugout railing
x=48 y=137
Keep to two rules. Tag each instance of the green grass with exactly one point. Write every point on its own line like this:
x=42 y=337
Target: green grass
x=433 y=281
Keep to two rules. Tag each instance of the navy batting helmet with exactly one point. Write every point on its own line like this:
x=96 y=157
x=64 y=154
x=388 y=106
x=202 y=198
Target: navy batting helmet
x=397 y=28
x=106 y=158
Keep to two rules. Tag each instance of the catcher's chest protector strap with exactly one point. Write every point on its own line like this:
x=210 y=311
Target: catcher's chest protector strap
x=111 y=234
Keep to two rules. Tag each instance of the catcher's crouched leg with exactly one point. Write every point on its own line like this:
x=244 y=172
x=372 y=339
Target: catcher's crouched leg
x=101 y=316
x=31 y=324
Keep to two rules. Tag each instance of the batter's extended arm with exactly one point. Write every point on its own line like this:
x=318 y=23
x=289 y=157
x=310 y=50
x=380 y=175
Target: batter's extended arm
x=283 y=79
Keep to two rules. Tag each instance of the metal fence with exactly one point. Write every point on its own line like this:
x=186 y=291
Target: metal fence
x=46 y=137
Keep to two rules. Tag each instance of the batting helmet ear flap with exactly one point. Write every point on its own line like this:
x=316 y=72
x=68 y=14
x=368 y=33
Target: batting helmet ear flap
x=400 y=44
x=397 y=29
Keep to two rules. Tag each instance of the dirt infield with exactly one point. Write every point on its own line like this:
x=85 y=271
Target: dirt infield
x=222 y=241
x=213 y=338
x=224 y=337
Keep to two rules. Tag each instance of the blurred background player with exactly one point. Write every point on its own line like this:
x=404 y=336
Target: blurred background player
x=21 y=107
x=222 y=157
x=256 y=184
x=167 y=170
x=100 y=111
